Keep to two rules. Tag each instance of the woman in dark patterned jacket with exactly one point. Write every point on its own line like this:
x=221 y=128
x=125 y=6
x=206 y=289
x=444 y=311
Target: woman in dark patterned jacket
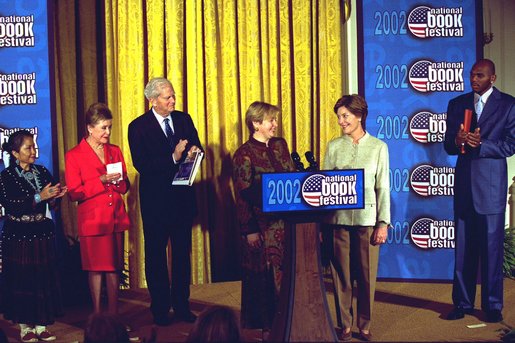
x=262 y=235
x=30 y=290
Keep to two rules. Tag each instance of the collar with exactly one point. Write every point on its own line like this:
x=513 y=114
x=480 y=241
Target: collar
x=160 y=118
x=362 y=139
x=484 y=97
x=256 y=142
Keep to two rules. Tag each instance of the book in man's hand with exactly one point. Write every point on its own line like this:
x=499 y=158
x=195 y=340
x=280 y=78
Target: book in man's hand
x=188 y=169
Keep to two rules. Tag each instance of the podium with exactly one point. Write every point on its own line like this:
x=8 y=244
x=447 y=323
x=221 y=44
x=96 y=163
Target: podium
x=303 y=312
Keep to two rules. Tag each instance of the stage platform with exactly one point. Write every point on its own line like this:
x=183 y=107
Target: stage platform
x=404 y=312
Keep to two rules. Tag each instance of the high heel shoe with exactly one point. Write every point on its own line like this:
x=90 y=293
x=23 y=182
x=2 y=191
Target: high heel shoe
x=367 y=337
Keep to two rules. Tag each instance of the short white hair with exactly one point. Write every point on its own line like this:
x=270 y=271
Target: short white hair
x=154 y=87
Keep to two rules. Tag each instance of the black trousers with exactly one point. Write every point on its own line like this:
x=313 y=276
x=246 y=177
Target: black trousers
x=158 y=231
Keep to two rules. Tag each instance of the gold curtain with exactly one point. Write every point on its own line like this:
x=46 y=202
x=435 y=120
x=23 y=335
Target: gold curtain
x=221 y=55
x=76 y=83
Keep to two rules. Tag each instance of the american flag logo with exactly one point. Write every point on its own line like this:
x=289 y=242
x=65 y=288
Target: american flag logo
x=312 y=189
x=419 y=75
x=417 y=21
x=419 y=126
x=420 y=179
x=420 y=232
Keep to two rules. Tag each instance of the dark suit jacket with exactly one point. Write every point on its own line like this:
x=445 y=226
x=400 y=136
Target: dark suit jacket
x=481 y=173
x=152 y=158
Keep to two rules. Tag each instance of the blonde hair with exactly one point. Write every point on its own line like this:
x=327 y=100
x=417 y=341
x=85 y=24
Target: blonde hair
x=259 y=111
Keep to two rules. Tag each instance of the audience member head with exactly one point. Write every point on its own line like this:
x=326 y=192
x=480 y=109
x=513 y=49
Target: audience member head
x=215 y=324
x=105 y=328
x=3 y=337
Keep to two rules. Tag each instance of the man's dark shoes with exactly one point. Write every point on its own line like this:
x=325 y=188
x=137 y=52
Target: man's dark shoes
x=493 y=316
x=163 y=320
x=458 y=313
x=185 y=316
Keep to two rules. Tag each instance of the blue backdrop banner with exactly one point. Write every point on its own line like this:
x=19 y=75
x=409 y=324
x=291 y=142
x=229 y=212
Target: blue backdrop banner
x=415 y=56
x=25 y=75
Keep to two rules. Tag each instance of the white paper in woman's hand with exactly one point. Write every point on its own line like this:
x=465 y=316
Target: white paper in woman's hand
x=112 y=168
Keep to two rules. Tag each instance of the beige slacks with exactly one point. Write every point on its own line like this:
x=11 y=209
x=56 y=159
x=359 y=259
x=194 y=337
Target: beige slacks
x=355 y=258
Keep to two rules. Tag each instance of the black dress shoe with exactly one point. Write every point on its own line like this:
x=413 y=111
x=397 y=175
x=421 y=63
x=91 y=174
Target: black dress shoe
x=186 y=316
x=458 y=313
x=493 y=316
x=163 y=320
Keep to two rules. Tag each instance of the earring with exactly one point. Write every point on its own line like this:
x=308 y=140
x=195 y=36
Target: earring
x=256 y=129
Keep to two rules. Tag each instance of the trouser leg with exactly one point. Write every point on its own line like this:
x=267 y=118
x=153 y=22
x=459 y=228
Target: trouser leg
x=492 y=258
x=342 y=273
x=367 y=260
x=181 y=265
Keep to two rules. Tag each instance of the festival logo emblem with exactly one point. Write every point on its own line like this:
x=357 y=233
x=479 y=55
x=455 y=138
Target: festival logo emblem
x=426 y=22
x=322 y=190
x=428 y=233
x=312 y=189
x=419 y=75
x=426 y=76
x=17 y=31
x=427 y=127
x=427 y=180
x=417 y=21
x=18 y=89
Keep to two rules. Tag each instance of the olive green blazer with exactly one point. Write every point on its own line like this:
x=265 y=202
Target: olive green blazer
x=370 y=154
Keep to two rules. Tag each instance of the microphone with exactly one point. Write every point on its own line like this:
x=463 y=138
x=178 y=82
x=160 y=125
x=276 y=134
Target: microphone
x=313 y=165
x=467 y=119
x=296 y=160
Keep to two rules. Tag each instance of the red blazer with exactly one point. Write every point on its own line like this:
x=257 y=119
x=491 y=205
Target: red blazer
x=101 y=209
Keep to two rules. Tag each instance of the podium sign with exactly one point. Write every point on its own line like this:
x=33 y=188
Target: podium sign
x=313 y=191
x=303 y=313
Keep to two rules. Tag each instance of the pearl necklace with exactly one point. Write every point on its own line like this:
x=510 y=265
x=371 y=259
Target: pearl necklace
x=98 y=147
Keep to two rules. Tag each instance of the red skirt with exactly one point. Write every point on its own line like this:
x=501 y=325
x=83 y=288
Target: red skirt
x=102 y=253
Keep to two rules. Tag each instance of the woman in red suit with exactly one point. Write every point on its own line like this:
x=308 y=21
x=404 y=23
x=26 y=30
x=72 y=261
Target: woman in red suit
x=96 y=177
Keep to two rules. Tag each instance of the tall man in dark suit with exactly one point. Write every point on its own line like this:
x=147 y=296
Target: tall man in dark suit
x=480 y=190
x=159 y=140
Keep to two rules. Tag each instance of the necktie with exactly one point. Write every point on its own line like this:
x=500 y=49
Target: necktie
x=479 y=107
x=169 y=132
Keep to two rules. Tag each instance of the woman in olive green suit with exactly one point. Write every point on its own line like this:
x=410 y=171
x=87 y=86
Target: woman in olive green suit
x=358 y=233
